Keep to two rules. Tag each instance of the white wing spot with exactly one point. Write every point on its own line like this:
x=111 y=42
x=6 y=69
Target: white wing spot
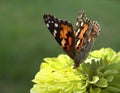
x=82 y=23
x=47 y=25
x=49 y=21
x=76 y=34
x=54 y=33
x=78 y=42
x=77 y=23
x=56 y=25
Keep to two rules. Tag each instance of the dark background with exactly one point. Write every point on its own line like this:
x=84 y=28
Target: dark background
x=25 y=40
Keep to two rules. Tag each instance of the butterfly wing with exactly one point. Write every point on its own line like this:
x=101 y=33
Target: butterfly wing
x=85 y=35
x=62 y=32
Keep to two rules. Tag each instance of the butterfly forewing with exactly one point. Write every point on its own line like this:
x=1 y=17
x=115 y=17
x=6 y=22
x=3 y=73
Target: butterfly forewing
x=62 y=32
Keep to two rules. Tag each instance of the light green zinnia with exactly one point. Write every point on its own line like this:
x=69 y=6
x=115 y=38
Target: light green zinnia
x=100 y=73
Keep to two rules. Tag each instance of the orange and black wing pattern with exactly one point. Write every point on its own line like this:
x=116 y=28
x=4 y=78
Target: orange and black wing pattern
x=62 y=32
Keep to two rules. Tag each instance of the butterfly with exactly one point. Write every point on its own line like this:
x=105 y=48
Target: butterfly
x=76 y=43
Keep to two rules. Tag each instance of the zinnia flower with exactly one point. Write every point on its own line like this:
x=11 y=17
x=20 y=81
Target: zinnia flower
x=99 y=73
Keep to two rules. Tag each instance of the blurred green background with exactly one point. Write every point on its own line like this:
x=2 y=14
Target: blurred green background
x=25 y=40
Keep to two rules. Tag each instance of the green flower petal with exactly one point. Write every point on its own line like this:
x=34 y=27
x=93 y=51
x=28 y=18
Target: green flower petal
x=95 y=90
x=100 y=73
x=94 y=80
x=102 y=83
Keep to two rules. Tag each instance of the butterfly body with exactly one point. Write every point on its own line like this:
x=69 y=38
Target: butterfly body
x=78 y=43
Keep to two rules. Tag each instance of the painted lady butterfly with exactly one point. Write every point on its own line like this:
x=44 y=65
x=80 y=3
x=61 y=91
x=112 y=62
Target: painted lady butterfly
x=78 y=43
